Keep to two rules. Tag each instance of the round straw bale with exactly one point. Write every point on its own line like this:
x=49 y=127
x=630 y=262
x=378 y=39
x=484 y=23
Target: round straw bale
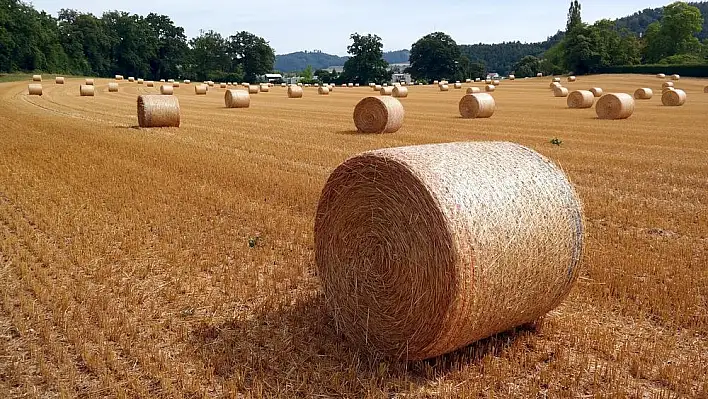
x=553 y=85
x=560 y=91
x=488 y=81
x=674 y=98
x=444 y=87
x=675 y=77
x=36 y=78
x=140 y=81
x=665 y=89
x=162 y=80
x=187 y=81
x=283 y=85
x=150 y=83
x=201 y=89
x=264 y=88
x=350 y=84
x=386 y=91
x=175 y=85
x=253 y=89
x=660 y=75
x=557 y=80
x=331 y=87
x=581 y=99
x=378 y=115
x=372 y=84
x=155 y=110
x=167 y=90
x=489 y=88
x=480 y=105
x=86 y=90
x=496 y=82
x=400 y=92
x=295 y=92
x=478 y=80
x=112 y=87
x=170 y=80
x=435 y=82
x=59 y=80
x=705 y=89
x=210 y=83
x=473 y=90
x=644 y=94
x=457 y=81
x=324 y=90
x=615 y=106
x=34 y=89
x=131 y=79
x=458 y=85
x=377 y=87
x=512 y=77
x=89 y=82
x=539 y=75
x=237 y=99
x=571 y=78
x=423 y=250
x=468 y=80
x=596 y=91
x=222 y=85
x=119 y=77
x=356 y=84
x=667 y=84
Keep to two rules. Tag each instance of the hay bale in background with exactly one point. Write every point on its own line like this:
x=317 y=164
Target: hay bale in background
x=596 y=91
x=489 y=88
x=675 y=77
x=377 y=87
x=473 y=90
x=400 y=92
x=175 y=85
x=458 y=86
x=571 y=79
x=386 y=91
x=119 y=77
x=264 y=88
x=295 y=92
x=539 y=75
x=210 y=83
x=201 y=89
x=615 y=106
x=59 y=80
x=496 y=82
x=283 y=85
x=113 y=87
x=34 y=89
x=187 y=81
x=350 y=84
x=667 y=85
x=324 y=90
x=253 y=89
x=705 y=89
x=512 y=77
x=36 y=78
x=150 y=83
x=479 y=105
x=237 y=99
x=560 y=91
x=167 y=90
x=478 y=80
x=131 y=79
x=89 y=82
x=435 y=82
x=162 y=80
x=434 y=221
x=378 y=115
x=557 y=80
x=444 y=87
x=488 y=81
x=644 y=94
x=86 y=90
x=673 y=98
x=356 y=84
x=553 y=85
x=140 y=81
x=660 y=75
x=581 y=99
x=156 y=110
x=222 y=85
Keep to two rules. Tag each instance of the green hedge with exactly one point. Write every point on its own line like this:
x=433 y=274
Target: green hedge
x=700 y=71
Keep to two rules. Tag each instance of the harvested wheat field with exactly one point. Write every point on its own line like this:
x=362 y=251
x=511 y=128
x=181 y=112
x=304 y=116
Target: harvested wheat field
x=179 y=262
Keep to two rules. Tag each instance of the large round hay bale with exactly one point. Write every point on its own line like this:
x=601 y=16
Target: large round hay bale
x=435 y=82
x=496 y=82
x=571 y=79
x=615 y=106
x=131 y=79
x=444 y=87
x=237 y=99
x=473 y=90
x=264 y=88
x=581 y=99
x=667 y=84
x=34 y=89
x=89 y=82
x=156 y=110
x=477 y=79
x=512 y=77
x=661 y=75
x=400 y=92
x=539 y=75
x=167 y=90
x=378 y=115
x=458 y=85
x=386 y=91
x=210 y=83
x=560 y=91
x=86 y=90
x=200 y=89
x=557 y=80
x=295 y=92
x=59 y=80
x=253 y=89
x=480 y=105
x=324 y=90
x=170 y=80
x=113 y=87
x=36 y=78
x=489 y=88
x=187 y=81
x=488 y=81
x=596 y=91
x=150 y=83
x=675 y=77
x=423 y=250
x=468 y=80
x=644 y=94
x=674 y=98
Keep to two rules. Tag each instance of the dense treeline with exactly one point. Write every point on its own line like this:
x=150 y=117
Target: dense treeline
x=298 y=61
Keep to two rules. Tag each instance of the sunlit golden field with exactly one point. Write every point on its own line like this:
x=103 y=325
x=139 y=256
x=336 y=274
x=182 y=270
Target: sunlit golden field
x=126 y=269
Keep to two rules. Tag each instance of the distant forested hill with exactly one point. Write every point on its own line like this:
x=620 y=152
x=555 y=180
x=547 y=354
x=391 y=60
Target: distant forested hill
x=638 y=22
x=501 y=57
x=300 y=60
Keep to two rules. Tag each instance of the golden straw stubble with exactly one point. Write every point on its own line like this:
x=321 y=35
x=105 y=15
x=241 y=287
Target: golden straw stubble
x=478 y=105
x=412 y=244
x=615 y=106
x=155 y=110
x=378 y=115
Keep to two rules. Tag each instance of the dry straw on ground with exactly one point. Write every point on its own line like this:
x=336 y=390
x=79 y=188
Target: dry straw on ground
x=86 y=90
x=156 y=110
x=615 y=106
x=412 y=244
x=234 y=98
x=167 y=90
x=324 y=90
x=473 y=90
x=560 y=91
x=400 y=92
x=295 y=91
x=36 y=78
x=112 y=87
x=644 y=94
x=480 y=105
x=59 y=80
x=89 y=82
x=489 y=88
x=673 y=98
x=200 y=89
x=596 y=91
x=34 y=89
x=378 y=115
x=386 y=91
x=581 y=99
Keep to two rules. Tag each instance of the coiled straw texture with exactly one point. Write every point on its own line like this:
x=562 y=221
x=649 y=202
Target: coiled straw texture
x=386 y=91
x=596 y=91
x=581 y=99
x=615 y=106
x=378 y=115
x=480 y=105
x=237 y=99
x=400 y=92
x=673 y=98
x=473 y=90
x=560 y=91
x=423 y=250
x=644 y=94
x=155 y=110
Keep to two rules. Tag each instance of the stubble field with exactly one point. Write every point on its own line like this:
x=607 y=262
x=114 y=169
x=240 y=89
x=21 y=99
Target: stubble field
x=179 y=262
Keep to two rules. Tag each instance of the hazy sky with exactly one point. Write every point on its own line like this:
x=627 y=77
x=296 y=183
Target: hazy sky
x=326 y=25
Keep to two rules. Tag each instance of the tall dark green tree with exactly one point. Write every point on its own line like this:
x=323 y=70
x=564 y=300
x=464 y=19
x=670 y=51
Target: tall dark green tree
x=675 y=34
x=528 y=66
x=208 y=56
x=170 y=47
x=434 y=56
x=366 y=63
x=580 y=52
x=251 y=54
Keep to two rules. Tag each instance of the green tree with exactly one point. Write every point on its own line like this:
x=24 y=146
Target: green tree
x=527 y=67
x=366 y=63
x=434 y=56
x=171 y=47
x=251 y=53
x=675 y=34
x=307 y=73
x=208 y=56
x=580 y=51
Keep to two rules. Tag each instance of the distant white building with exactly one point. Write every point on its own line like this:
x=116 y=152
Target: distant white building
x=272 y=77
x=493 y=75
x=401 y=77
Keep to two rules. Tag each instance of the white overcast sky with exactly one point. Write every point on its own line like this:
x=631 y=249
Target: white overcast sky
x=326 y=25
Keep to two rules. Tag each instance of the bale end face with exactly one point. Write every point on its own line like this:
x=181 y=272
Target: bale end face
x=615 y=106
x=400 y=92
x=323 y=90
x=673 y=98
x=156 y=110
x=295 y=92
x=596 y=91
x=643 y=93
x=237 y=99
x=59 y=80
x=480 y=105
x=378 y=115
x=581 y=99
